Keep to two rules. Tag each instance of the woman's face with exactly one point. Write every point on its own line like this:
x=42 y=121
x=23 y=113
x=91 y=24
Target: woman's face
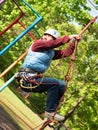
x=47 y=37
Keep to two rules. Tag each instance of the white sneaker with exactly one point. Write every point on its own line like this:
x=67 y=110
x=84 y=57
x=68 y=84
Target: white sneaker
x=56 y=117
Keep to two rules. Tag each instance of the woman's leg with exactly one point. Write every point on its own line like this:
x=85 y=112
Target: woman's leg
x=54 y=88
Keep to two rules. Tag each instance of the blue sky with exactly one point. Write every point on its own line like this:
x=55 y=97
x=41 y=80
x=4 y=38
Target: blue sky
x=92 y=5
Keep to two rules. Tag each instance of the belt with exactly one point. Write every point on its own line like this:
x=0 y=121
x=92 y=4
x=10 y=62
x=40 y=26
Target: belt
x=27 y=70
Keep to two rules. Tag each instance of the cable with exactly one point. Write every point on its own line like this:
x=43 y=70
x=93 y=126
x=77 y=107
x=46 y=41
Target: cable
x=93 y=4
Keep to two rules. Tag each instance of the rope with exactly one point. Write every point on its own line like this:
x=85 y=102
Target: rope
x=93 y=4
x=67 y=77
x=17 y=6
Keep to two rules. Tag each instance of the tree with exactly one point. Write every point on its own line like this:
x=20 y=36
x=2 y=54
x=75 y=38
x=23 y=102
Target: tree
x=62 y=16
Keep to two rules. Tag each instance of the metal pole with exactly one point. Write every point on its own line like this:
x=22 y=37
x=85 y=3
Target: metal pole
x=7 y=83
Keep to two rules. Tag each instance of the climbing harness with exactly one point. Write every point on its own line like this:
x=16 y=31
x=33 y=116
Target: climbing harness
x=23 y=78
x=67 y=77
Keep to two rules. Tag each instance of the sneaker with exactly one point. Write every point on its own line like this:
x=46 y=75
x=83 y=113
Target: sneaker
x=56 y=117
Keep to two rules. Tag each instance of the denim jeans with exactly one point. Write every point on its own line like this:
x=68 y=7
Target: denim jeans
x=54 y=88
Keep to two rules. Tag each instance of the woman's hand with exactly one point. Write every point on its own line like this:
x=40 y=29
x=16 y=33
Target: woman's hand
x=76 y=36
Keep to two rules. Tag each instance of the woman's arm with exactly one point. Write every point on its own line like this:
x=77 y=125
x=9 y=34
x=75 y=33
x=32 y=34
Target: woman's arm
x=64 y=53
x=41 y=45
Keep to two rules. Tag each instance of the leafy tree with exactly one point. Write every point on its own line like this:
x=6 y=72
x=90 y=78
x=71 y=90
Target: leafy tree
x=61 y=15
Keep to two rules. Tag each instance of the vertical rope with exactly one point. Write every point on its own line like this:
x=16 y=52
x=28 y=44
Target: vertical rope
x=67 y=77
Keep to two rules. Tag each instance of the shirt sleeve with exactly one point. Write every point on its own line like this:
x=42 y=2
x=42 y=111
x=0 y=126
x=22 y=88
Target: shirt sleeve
x=64 y=53
x=40 y=45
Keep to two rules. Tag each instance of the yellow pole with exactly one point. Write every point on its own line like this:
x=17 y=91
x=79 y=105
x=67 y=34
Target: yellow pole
x=13 y=64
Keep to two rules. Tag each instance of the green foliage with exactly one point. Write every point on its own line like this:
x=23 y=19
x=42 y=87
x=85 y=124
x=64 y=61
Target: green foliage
x=62 y=15
x=96 y=1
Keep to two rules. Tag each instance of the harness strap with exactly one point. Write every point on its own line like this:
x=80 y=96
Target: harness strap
x=29 y=70
x=30 y=86
x=31 y=82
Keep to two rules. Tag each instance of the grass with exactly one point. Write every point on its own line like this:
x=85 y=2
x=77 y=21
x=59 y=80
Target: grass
x=21 y=114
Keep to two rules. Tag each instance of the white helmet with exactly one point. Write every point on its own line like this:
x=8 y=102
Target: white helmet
x=53 y=33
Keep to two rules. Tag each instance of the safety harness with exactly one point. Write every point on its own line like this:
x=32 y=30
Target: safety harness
x=26 y=81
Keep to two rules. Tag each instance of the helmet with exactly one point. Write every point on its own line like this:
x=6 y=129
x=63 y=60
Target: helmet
x=53 y=33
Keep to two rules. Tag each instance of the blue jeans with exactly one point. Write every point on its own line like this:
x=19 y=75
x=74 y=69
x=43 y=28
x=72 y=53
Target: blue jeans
x=54 y=88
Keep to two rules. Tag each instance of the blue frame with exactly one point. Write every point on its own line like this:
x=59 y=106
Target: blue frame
x=39 y=18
